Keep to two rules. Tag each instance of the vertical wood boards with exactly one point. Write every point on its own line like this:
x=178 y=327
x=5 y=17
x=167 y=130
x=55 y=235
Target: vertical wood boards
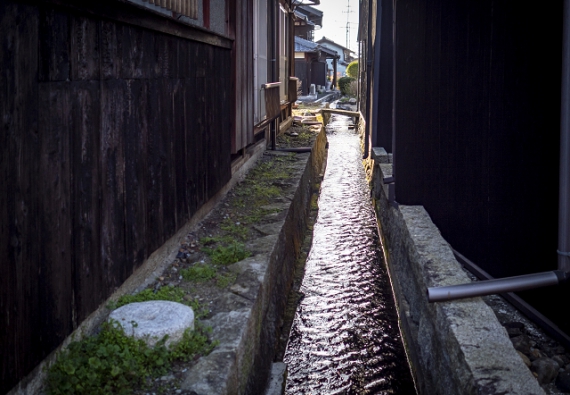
x=20 y=251
x=113 y=136
x=242 y=60
x=477 y=124
x=86 y=199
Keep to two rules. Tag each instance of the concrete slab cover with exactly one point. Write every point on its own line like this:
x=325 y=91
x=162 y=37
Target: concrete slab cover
x=155 y=319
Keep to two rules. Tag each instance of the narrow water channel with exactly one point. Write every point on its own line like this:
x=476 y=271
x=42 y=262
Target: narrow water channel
x=345 y=337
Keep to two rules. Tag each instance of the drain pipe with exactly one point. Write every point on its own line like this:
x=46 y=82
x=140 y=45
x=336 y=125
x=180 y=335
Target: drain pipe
x=376 y=89
x=497 y=286
x=391 y=181
x=530 y=281
x=564 y=178
x=368 y=93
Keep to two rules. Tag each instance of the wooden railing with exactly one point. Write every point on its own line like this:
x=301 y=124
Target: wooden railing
x=272 y=101
x=293 y=87
x=187 y=8
x=272 y=109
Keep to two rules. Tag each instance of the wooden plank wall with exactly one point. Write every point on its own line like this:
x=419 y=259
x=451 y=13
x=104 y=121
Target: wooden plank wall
x=112 y=137
x=241 y=28
x=477 y=125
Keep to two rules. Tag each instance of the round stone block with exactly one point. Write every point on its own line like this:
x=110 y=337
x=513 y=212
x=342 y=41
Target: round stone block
x=152 y=320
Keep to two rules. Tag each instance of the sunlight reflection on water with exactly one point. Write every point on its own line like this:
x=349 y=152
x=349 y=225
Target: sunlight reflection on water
x=345 y=337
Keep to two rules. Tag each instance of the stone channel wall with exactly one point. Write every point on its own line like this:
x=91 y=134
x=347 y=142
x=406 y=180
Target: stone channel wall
x=456 y=347
x=242 y=361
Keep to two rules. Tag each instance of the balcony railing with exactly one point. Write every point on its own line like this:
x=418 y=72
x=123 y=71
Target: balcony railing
x=187 y=8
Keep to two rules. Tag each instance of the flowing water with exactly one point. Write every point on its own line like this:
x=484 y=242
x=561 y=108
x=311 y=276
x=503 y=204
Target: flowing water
x=345 y=337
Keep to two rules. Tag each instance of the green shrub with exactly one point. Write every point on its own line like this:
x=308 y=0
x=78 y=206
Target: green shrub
x=344 y=84
x=352 y=69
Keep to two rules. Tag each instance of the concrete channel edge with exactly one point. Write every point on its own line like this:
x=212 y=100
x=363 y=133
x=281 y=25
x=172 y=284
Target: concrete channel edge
x=242 y=363
x=456 y=347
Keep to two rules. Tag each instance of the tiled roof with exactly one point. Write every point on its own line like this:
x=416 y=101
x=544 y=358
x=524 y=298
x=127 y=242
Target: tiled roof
x=302 y=45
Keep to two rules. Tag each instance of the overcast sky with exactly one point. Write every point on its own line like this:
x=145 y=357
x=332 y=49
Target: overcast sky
x=335 y=14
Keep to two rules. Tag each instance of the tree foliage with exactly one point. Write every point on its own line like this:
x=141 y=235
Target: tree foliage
x=352 y=69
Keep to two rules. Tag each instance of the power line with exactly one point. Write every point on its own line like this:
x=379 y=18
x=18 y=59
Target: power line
x=347 y=12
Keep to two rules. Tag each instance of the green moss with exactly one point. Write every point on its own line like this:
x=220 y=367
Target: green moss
x=314 y=201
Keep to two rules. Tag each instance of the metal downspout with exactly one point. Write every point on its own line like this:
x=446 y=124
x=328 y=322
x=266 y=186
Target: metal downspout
x=391 y=181
x=564 y=177
x=376 y=90
x=368 y=85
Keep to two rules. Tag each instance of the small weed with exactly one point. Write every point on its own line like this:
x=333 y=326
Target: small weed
x=234 y=228
x=209 y=240
x=227 y=254
x=171 y=293
x=199 y=310
x=199 y=272
x=192 y=343
x=225 y=279
x=257 y=214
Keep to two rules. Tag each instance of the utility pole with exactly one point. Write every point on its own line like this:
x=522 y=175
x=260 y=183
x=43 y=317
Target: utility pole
x=347 y=12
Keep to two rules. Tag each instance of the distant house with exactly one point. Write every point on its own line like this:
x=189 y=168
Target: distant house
x=307 y=20
x=311 y=63
x=346 y=56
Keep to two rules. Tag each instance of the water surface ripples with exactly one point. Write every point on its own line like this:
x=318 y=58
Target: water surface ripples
x=345 y=337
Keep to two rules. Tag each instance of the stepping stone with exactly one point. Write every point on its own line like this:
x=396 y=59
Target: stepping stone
x=153 y=320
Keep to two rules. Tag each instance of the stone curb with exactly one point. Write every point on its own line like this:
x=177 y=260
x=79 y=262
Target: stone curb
x=456 y=347
x=242 y=361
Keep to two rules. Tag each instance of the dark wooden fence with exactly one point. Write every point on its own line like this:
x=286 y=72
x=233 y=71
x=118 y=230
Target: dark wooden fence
x=112 y=136
x=477 y=123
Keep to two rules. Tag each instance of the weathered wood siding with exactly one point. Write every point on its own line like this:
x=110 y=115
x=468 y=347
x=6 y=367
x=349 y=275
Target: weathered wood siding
x=241 y=28
x=112 y=136
x=477 y=123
